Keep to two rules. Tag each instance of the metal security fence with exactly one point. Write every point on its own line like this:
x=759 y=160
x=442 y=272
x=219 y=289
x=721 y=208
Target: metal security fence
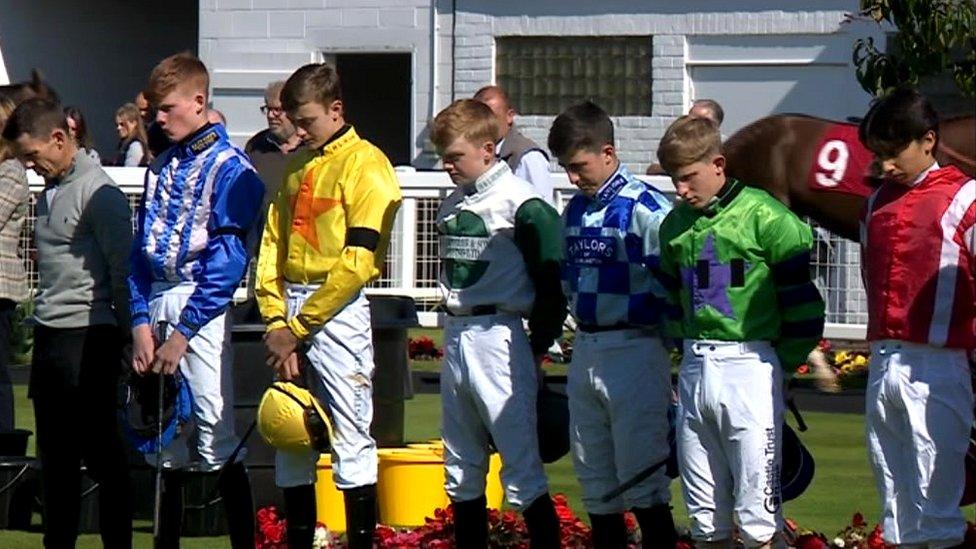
x=412 y=260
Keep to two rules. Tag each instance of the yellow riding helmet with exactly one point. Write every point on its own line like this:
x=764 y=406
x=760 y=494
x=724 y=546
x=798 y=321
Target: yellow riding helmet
x=290 y=418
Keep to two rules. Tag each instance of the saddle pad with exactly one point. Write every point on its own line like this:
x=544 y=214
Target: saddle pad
x=841 y=163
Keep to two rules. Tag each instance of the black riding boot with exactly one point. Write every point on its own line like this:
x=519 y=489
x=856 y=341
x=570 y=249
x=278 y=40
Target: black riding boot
x=235 y=490
x=542 y=522
x=300 y=514
x=609 y=531
x=471 y=523
x=657 y=527
x=360 y=516
x=171 y=511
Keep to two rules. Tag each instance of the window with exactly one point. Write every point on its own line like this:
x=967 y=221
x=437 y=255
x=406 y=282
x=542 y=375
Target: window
x=545 y=74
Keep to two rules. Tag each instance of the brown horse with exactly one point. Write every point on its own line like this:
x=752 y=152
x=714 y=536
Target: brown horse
x=35 y=87
x=784 y=153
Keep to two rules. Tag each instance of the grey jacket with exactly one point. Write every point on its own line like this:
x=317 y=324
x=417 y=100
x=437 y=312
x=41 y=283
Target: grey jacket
x=84 y=237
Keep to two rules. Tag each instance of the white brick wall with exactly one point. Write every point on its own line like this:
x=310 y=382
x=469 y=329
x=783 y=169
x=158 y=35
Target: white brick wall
x=247 y=43
x=668 y=23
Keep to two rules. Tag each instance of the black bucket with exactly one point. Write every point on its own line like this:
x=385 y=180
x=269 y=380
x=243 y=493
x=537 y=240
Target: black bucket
x=203 y=508
x=14 y=443
x=88 y=519
x=19 y=486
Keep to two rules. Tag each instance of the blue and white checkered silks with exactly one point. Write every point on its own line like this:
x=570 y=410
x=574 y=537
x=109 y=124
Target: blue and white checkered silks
x=611 y=244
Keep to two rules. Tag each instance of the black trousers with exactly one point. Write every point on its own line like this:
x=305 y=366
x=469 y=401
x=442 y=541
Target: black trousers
x=8 y=310
x=74 y=386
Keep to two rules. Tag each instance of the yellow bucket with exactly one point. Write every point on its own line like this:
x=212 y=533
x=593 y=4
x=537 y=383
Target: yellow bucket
x=329 y=503
x=410 y=486
x=430 y=452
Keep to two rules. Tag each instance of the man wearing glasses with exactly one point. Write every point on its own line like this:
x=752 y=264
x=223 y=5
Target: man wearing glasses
x=270 y=149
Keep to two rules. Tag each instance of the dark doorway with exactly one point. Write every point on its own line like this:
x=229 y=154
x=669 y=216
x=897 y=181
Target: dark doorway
x=376 y=89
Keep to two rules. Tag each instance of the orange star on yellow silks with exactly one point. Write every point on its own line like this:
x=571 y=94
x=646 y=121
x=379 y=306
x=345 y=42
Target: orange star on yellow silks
x=307 y=208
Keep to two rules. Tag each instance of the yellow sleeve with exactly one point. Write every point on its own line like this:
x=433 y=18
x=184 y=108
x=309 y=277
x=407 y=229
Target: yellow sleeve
x=371 y=201
x=269 y=287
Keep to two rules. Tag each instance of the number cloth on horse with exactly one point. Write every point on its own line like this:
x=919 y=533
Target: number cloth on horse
x=842 y=164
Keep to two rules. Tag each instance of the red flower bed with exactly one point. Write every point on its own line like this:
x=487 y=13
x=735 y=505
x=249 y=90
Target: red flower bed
x=507 y=530
x=423 y=348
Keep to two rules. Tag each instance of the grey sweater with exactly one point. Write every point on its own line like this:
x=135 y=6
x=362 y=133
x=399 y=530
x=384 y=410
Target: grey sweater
x=84 y=236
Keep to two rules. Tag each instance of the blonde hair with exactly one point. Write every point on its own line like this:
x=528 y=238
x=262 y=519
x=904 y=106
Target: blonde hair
x=181 y=69
x=688 y=140
x=7 y=107
x=466 y=118
x=129 y=112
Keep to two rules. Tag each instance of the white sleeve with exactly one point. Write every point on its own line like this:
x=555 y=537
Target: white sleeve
x=534 y=168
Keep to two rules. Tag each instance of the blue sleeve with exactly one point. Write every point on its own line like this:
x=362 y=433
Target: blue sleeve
x=140 y=274
x=224 y=261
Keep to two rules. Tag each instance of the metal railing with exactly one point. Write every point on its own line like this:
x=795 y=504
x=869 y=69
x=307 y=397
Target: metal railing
x=412 y=260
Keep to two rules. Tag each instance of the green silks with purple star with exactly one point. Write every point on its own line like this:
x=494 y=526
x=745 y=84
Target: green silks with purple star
x=740 y=271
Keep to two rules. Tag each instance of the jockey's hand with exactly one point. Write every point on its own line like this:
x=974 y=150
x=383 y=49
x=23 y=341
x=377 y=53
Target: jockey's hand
x=824 y=377
x=289 y=368
x=169 y=354
x=281 y=344
x=143 y=349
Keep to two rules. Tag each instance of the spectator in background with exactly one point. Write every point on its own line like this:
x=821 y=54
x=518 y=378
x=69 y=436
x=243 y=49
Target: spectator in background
x=14 y=194
x=214 y=116
x=155 y=136
x=133 y=149
x=525 y=157
x=708 y=109
x=78 y=130
x=270 y=149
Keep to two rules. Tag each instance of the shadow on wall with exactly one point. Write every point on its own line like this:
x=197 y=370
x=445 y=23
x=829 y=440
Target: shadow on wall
x=97 y=54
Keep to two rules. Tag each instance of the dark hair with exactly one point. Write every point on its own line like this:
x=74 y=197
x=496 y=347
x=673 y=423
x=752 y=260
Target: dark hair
x=584 y=126
x=36 y=117
x=896 y=120
x=81 y=127
x=315 y=82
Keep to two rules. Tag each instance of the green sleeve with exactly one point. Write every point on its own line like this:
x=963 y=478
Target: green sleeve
x=788 y=242
x=538 y=235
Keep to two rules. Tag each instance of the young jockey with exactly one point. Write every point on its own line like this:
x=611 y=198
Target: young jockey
x=737 y=263
x=189 y=255
x=325 y=238
x=619 y=382
x=918 y=248
x=500 y=253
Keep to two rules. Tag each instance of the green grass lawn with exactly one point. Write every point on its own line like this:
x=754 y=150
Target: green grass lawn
x=842 y=485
